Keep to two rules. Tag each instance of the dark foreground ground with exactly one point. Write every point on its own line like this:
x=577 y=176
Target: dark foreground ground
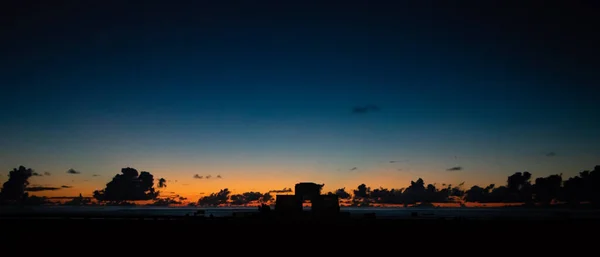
x=133 y=233
x=302 y=236
x=200 y=227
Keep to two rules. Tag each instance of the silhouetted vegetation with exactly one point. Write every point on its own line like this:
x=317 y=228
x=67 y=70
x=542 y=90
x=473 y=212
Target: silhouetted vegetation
x=128 y=186
x=518 y=189
x=13 y=190
x=132 y=186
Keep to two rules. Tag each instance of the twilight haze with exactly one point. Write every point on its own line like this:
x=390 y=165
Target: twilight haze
x=267 y=95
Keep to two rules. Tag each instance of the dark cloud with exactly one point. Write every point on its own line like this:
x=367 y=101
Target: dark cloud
x=47 y=173
x=342 y=193
x=551 y=154
x=249 y=197
x=95 y=175
x=215 y=199
x=196 y=176
x=162 y=183
x=14 y=188
x=219 y=176
x=41 y=188
x=354 y=168
x=208 y=177
x=66 y=186
x=284 y=190
x=72 y=171
x=128 y=186
x=457 y=168
x=35 y=174
x=365 y=109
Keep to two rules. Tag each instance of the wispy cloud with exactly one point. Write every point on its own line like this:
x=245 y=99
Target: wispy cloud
x=551 y=154
x=365 y=109
x=208 y=177
x=284 y=190
x=95 y=175
x=47 y=173
x=36 y=174
x=354 y=168
x=219 y=176
x=72 y=171
x=196 y=176
x=457 y=168
x=63 y=186
x=41 y=188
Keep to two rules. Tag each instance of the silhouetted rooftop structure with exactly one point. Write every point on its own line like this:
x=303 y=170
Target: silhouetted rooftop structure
x=307 y=191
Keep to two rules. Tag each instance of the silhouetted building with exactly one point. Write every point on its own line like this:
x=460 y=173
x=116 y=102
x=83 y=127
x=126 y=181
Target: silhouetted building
x=307 y=191
x=288 y=204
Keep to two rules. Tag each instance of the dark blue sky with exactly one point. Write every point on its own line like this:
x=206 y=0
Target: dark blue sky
x=182 y=88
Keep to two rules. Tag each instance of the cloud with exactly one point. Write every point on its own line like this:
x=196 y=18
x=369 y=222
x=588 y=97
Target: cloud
x=14 y=187
x=354 y=168
x=219 y=176
x=47 y=173
x=41 y=188
x=457 y=168
x=95 y=175
x=208 y=177
x=63 y=186
x=551 y=154
x=72 y=171
x=36 y=174
x=130 y=185
x=284 y=190
x=162 y=183
x=365 y=109
x=196 y=176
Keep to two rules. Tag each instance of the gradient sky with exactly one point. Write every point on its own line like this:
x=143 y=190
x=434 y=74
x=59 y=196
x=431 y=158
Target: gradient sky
x=263 y=95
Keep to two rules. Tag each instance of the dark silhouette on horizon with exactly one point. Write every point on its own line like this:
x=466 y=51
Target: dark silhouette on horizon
x=128 y=186
x=131 y=186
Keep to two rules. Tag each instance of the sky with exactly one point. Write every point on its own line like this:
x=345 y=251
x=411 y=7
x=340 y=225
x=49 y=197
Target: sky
x=268 y=95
